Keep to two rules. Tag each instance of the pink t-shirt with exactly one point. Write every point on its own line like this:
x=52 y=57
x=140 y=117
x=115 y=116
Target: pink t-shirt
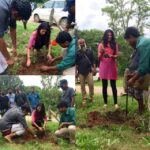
x=32 y=40
x=35 y=116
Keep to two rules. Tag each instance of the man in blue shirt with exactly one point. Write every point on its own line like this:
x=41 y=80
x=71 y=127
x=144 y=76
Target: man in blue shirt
x=10 y=11
x=34 y=98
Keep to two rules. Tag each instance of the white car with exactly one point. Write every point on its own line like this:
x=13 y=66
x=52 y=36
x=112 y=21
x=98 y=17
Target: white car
x=52 y=8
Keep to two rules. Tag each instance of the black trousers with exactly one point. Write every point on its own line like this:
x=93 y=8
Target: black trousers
x=114 y=90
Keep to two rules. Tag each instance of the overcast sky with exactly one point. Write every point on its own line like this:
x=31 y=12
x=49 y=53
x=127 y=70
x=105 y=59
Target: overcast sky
x=36 y=80
x=89 y=15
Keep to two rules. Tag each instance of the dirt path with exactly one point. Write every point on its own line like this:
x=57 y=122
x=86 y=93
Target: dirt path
x=98 y=90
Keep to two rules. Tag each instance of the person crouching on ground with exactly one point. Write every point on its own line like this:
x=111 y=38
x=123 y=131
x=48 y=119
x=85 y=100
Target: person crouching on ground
x=67 y=128
x=39 y=38
x=39 y=118
x=65 y=40
x=85 y=69
x=14 y=121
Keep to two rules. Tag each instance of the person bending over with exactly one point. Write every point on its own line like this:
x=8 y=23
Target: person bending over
x=65 y=40
x=39 y=118
x=14 y=121
x=39 y=38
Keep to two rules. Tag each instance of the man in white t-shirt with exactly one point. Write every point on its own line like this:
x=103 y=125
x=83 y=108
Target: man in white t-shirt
x=11 y=97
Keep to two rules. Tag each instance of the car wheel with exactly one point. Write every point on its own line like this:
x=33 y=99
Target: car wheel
x=36 y=18
x=63 y=23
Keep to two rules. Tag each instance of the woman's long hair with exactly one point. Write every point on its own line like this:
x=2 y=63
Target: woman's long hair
x=42 y=113
x=112 y=42
x=45 y=39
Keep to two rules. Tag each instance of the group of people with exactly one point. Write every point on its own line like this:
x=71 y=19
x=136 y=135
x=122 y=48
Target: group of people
x=136 y=75
x=13 y=10
x=15 y=106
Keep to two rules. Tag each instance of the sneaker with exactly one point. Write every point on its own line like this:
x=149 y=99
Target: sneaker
x=116 y=106
x=105 y=106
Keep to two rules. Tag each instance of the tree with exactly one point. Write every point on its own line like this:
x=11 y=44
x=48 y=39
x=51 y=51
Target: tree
x=50 y=94
x=7 y=82
x=50 y=81
x=123 y=13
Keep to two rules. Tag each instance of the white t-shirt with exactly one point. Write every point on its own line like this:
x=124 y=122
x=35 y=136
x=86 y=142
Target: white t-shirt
x=3 y=63
x=11 y=98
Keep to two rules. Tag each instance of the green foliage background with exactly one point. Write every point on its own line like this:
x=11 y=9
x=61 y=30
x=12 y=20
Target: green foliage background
x=93 y=38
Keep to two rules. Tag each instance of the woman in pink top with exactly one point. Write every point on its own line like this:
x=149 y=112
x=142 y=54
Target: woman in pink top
x=39 y=118
x=39 y=38
x=107 y=54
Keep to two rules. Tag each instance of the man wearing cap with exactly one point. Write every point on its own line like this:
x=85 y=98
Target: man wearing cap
x=10 y=11
x=68 y=93
x=14 y=121
x=85 y=69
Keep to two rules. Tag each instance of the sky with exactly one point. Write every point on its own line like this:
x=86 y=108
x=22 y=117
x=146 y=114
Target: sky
x=36 y=80
x=89 y=15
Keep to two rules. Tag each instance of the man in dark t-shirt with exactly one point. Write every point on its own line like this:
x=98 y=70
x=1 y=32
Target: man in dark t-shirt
x=20 y=98
x=68 y=93
x=85 y=69
x=4 y=103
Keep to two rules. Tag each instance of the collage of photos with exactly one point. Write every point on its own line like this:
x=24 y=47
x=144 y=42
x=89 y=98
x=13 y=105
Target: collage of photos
x=75 y=74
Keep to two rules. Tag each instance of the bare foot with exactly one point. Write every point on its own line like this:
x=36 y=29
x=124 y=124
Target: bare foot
x=10 y=62
x=8 y=139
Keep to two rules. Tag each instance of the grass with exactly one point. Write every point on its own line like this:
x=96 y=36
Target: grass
x=23 y=37
x=113 y=137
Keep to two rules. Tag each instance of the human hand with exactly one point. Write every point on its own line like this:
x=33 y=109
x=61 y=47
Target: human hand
x=49 y=57
x=102 y=50
x=44 y=68
x=10 y=62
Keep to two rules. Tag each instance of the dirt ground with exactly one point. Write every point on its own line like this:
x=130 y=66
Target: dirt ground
x=49 y=138
x=34 y=69
x=117 y=117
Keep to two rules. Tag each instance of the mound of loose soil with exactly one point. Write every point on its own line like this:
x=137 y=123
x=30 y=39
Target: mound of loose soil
x=95 y=118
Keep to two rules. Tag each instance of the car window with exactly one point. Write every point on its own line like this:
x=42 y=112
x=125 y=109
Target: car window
x=49 y=4
x=59 y=4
